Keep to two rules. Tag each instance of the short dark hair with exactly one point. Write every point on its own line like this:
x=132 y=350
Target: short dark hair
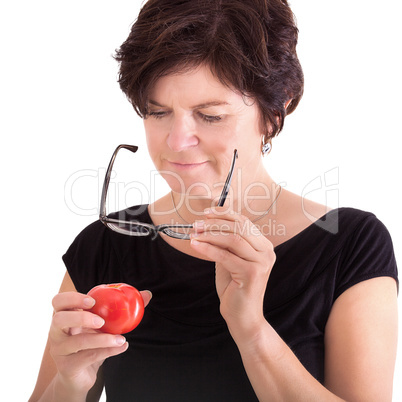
x=250 y=45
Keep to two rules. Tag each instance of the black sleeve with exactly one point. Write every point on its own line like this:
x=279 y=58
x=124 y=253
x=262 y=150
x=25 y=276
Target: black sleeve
x=367 y=254
x=91 y=259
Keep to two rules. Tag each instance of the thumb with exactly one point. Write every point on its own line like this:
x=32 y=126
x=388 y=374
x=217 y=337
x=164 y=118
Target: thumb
x=146 y=296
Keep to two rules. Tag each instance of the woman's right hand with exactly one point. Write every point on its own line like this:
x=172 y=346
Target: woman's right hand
x=76 y=346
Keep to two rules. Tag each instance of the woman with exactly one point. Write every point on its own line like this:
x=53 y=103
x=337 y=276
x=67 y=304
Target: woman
x=241 y=311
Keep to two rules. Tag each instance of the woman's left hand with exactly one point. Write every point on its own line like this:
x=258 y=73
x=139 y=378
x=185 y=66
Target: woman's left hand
x=244 y=260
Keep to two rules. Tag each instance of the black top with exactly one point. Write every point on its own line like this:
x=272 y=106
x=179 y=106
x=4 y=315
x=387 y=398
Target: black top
x=182 y=350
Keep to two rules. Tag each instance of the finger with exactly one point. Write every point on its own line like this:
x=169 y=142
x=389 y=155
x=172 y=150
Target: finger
x=232 y=251
x=95 y=355
x=146 y=296
x=221 y=212
x=234 y=223
x=230 y=267
x=72 y=300
x=245 y=274
x=84 y=341
x=64 y=320
x=232 y=242
x=85 y=358
x=218 y=254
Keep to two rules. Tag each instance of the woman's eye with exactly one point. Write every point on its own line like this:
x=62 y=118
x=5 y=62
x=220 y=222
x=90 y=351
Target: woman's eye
x=157 y=115
x=210 y=118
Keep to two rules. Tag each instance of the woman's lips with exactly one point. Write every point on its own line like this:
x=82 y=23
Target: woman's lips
x=186 y=166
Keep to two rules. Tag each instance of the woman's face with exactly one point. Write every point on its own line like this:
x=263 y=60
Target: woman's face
x=193 y=126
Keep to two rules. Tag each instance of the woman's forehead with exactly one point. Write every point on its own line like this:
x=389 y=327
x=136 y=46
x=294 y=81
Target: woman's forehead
x=196 y=86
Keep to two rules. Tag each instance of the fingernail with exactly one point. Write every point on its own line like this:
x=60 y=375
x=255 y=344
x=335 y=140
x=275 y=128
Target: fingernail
x=199 y=224
x=89 y=302
x=207 y=211
x=99 y=321
x=195 y=242
x=120 y=340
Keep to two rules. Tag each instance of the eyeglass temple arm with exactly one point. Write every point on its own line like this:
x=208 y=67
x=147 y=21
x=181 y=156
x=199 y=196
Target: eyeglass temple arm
x=132 y=148
x=226 y=187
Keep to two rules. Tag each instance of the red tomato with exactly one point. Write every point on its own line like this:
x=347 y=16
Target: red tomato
x=120 y=305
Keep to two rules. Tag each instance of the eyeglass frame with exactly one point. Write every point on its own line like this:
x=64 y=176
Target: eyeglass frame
x=152 y=229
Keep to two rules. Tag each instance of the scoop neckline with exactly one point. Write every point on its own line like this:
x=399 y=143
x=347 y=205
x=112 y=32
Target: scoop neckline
x=166 y=245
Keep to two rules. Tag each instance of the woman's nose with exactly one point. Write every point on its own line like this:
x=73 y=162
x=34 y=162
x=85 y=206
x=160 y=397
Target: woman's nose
x=182 y=134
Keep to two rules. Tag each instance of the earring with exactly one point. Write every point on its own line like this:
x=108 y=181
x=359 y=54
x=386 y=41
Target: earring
x=266 y=147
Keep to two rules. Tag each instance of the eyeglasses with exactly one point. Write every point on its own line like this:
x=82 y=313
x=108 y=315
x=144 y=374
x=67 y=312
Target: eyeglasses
x=136 y=228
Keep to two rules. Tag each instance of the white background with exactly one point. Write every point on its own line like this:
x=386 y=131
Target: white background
x=62 y=114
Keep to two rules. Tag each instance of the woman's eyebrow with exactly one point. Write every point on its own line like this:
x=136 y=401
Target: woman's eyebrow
x=199 y=106
x=155 y=103
x=209 y=104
